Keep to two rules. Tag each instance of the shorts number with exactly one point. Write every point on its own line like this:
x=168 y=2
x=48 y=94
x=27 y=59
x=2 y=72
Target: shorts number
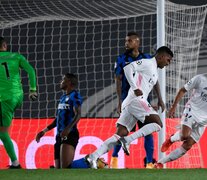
x=6 y=69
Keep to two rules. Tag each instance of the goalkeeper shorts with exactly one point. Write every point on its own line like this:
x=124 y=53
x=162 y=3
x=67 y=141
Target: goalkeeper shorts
x=7 y=109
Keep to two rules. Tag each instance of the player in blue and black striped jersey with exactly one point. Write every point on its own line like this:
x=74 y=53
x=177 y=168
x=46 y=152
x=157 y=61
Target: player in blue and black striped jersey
x=67 y=117
x=132 y=53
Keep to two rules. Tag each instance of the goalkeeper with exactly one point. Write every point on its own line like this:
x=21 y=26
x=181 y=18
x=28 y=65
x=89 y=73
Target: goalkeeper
x=11 y=93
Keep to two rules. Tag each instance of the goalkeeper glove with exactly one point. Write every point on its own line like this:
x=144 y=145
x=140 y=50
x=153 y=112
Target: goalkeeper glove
x=33 y=95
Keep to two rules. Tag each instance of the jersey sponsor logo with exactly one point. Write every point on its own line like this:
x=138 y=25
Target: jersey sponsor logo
x=63 y=106
x=139 y=62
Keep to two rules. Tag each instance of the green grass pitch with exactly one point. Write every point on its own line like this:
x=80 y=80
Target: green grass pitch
x=105 y=174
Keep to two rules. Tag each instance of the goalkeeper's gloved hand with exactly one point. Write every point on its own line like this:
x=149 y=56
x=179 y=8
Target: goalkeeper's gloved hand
x=32 y=95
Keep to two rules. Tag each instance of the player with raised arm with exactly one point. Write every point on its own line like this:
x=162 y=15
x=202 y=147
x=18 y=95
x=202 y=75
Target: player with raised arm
x=11 y=93
x=142 y=75
x=68 y=115
x=132 y=53
x=193 y=120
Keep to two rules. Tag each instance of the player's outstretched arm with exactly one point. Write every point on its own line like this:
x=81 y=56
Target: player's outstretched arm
x=39 y=135
x=178 y=97
x=24 y=64
x=42 y=133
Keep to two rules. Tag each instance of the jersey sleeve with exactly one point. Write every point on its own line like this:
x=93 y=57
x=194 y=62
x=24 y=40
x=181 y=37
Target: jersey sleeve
x=24 y=64
x=77 y=100
x=133 y=67
x=147 y=56
x=193 y=83
x=118 y=66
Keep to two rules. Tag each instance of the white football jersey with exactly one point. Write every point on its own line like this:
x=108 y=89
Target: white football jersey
x=141 y=74
x=198 y=100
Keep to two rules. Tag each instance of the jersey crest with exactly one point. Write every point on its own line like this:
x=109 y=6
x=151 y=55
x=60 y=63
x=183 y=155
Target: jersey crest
x=139 y=62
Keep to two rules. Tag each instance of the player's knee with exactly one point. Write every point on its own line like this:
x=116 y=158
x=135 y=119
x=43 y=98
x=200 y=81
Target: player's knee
x=157 y=127
x=184 y=137
x=188 y=143
x=69 y=166
x=65 y=165
x=187 y=146
x=160 y=124
x=121 y=131
x=158 y=121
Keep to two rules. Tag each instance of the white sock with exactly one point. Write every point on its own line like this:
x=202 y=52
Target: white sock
x=175 y=137
x=144 y=131
x=105 y=147
x=15 y=163
x=177 y=153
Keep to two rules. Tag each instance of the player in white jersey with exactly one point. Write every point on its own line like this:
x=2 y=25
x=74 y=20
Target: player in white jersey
x=193 y=120
x=142 y=76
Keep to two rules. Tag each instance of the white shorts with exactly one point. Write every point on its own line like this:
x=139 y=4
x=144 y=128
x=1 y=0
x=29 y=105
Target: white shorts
x=136 y=110
x=188 y=120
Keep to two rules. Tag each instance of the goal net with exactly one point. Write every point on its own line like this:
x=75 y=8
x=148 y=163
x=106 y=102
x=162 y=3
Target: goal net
x=85 y=37
x=183 y=35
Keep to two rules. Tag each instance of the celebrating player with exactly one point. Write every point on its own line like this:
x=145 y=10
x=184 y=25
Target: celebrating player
x=142 y=75
x=68 y=115
x=193 y=120
x=11 y=93
x=132 y=42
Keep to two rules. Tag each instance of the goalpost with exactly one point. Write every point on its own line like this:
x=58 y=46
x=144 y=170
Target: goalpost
x=85 y=37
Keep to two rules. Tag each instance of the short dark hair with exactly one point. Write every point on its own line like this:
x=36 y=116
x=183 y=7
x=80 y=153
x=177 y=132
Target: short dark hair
x=73 y=78
x=2 y=40
x=132 y=34
x=164 y=49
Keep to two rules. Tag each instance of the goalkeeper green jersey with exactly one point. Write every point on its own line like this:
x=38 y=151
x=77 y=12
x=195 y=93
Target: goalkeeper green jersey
x=10 y=80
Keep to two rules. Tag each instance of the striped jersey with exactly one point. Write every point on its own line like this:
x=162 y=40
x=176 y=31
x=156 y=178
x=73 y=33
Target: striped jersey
x=65 y=113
